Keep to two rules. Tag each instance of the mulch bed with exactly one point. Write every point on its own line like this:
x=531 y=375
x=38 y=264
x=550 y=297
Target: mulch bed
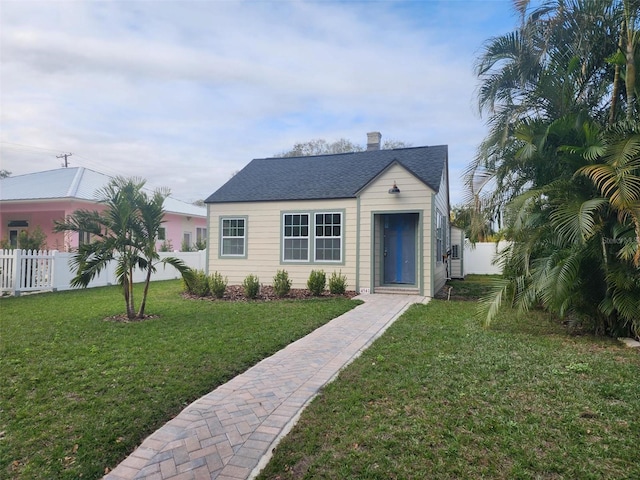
x=235 y=293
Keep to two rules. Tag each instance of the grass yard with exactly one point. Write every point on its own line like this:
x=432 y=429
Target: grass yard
x=79 y=393
x=471 y=288
x=438 y=397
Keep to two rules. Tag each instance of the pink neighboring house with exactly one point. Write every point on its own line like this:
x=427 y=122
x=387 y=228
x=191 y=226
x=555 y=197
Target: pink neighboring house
x=38 y=199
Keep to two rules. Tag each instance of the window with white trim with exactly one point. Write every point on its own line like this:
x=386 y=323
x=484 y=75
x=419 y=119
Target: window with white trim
x=201 y=234
x=296 y=237
x=439 y=236
x=186 y=241
x=328 y=237
x=233 y=237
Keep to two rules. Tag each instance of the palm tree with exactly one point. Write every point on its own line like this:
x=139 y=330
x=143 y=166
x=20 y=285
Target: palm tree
x=569 y=186
x=150 y=221
x=125 y=232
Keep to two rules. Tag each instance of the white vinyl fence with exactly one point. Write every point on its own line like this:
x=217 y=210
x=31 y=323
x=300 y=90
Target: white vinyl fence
x=23 y=271
x=478 y=258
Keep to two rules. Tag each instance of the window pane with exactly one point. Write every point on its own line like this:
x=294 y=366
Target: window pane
x=296 y=249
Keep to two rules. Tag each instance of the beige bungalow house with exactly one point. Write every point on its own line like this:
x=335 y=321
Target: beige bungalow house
x=39 y=199
x=380 y=217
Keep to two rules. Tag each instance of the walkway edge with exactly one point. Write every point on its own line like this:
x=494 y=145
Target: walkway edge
x=264 y=461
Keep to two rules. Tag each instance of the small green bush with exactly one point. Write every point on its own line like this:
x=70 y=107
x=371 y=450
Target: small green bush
x=197 y=283
x=317 y=281
x=251 y=286
x=281 y=283
x=217 y=284
x=337 y=283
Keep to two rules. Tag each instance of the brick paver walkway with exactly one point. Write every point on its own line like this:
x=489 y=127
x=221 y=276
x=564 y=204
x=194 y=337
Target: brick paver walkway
x=230 y=433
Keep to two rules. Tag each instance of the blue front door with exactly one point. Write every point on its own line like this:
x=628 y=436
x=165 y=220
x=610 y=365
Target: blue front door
x=400 y=248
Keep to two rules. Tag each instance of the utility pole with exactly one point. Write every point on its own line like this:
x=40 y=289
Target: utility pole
x=65 y=155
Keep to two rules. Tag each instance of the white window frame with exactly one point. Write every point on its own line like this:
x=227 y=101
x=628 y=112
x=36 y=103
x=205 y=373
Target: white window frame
x=292 y=236
x=187 y=240
x=317 y=237
x=439 y=236
x=201 y=234
x=224 y=237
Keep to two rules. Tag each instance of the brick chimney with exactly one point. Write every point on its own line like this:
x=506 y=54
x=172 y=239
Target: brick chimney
x=373 y=141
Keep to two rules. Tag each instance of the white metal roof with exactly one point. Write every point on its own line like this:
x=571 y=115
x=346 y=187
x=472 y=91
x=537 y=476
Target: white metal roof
x=75 y=182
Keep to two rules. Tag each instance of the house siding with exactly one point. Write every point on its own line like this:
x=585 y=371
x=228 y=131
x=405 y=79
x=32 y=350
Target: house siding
x=414 y=197
x=264 y=241
x=441 y=203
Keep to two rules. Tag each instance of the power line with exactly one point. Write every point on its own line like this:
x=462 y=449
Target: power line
x=31 y=146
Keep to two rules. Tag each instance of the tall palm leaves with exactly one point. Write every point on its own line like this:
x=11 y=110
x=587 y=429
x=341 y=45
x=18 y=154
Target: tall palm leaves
x=561 y=162
x=618 y=180
x=124 y=232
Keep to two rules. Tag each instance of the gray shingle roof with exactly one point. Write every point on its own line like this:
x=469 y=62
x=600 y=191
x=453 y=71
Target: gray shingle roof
x=327 y=176
x=74 y=182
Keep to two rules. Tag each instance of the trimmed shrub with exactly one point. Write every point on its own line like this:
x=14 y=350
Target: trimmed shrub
x=317 y=281
x=281 y=283
x=197 y=283
x=337 y=283
x=217 y=284
x=251 y=286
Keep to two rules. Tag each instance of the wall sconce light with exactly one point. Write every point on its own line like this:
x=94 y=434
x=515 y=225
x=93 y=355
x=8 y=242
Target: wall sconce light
x=394 y=189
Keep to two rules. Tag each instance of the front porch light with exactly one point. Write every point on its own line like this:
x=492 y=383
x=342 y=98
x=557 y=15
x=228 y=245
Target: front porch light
x=394 y=190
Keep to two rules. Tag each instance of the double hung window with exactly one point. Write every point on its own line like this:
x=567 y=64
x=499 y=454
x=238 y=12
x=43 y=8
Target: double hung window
x=328 y=237
x=296 y=236
x=439 y=236
x=233 y=239
x=312 y=237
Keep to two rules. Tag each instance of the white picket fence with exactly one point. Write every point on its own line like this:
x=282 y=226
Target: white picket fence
x=23 y=271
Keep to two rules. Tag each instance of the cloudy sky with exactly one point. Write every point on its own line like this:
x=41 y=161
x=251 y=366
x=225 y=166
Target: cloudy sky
x=185 y=93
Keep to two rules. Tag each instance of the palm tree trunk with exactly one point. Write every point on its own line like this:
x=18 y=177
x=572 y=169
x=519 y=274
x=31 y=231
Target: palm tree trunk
x=630 y=17
x=616 y=84
x=131 y=309
x=144 y=294
x=125 y=292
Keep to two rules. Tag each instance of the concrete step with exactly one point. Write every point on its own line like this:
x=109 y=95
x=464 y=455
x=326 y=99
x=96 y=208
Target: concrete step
x=397 y=290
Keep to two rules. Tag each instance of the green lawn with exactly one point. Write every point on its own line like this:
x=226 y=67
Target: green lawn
x=79 y=393
x=438 y=397
x=472 y=287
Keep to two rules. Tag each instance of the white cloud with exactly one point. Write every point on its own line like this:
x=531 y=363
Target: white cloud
x=185 y=93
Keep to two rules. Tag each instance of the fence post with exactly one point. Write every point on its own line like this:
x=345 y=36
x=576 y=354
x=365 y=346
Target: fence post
x=52 y=270
x=17 y=271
